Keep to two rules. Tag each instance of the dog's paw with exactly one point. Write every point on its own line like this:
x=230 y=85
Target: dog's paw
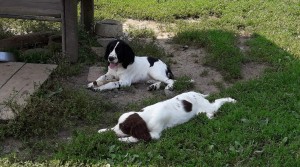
x=210 y=115
x=231 y=100
x=123 y=139
x=151 y=87
x=96 y=89
x=102 y=130
x=128 y=139
x=90 y=85
x=169 y=87
x=151 y=81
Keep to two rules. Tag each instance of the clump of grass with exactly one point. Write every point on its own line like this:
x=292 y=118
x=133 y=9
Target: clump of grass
x=19 y=26
x=38 y=55
x=90 y=147
x=204 y=73
x=40 y=117
x=142 y=33
x=183 y=84
x=7 y=162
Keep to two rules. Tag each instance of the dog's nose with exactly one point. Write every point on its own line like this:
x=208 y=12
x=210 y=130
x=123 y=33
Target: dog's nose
x=111 y=58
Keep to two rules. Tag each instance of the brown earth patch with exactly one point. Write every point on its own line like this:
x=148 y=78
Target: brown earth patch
x=186 y=61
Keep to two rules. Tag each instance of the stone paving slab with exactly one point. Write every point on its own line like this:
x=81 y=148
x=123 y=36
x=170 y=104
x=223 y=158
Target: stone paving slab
x=21 y=84
x=7 y=70
x=95 y=72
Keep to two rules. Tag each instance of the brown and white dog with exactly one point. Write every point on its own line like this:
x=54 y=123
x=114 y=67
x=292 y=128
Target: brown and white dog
x=152 y=120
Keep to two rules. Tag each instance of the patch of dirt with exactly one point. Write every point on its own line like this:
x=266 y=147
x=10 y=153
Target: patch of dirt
x=253 y=70
x=159 y=29
x=250 y=70
x=186 y=61
x=11 y=145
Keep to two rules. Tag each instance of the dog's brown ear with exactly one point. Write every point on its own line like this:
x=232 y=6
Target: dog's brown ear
x=135 y=126
x=141 y=131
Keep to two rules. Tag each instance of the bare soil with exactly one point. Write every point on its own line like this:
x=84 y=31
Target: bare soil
x=186 y=61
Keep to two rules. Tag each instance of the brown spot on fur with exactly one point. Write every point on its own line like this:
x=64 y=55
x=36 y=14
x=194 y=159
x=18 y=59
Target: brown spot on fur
x=95 y=83
x=135 y=126
x=187 y=106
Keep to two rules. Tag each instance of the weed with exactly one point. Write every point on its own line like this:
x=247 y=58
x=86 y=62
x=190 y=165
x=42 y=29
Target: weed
x=204 y=73
x=183 y=84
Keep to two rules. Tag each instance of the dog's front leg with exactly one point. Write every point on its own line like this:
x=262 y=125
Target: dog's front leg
x=128 y=139
x=105 y=130
x=112 y=85
x=102 y=80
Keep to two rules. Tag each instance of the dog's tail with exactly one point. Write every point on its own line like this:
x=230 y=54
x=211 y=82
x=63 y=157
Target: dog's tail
x=169 y=73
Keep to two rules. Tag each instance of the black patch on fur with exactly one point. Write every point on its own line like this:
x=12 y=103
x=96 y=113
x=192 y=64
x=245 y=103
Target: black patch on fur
x=135 y=126
x=124 y=52
x=187 y=106
x=169 y=73
x=152 y=60
x=95 y=83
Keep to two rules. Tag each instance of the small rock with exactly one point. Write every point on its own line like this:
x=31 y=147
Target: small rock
x=98 y=51
x=169 y=93
x=185 y=47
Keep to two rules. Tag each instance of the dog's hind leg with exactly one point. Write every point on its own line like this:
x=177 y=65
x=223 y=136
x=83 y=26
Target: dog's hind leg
x=162 y=75
x=217 y=104
x=157 y=85
x=170 y=83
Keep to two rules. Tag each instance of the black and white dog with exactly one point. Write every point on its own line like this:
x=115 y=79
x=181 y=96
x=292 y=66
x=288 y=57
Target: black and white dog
x=125 y=68
x=152 y=120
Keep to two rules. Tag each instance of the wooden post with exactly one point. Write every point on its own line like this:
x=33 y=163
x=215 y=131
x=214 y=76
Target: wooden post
x=70 y=30
x=87 y=15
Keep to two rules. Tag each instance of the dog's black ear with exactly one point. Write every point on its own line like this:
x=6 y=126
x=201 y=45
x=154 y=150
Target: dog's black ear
x=125 y=54
x=135 y=126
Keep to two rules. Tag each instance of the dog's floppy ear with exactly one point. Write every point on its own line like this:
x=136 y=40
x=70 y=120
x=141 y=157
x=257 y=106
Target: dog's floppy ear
x=125 y=54
x=135 y=126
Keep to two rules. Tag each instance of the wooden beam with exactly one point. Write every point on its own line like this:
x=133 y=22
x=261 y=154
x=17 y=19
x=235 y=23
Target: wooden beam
x=31 y=7
x=20 y=41
x=87 y=15
x=70 y=29
x=27 y=17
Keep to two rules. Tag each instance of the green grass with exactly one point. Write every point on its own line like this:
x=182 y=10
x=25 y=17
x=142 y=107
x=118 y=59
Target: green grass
x=257 y=131
x=183 y=84
x=261 y=129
